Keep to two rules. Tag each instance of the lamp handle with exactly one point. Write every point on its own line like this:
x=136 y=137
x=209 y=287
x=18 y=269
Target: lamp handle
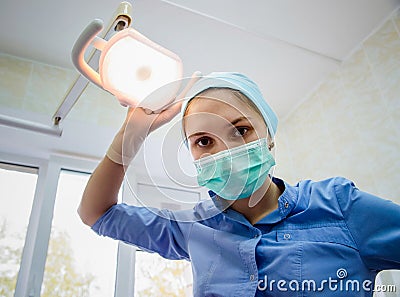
x=80 y=46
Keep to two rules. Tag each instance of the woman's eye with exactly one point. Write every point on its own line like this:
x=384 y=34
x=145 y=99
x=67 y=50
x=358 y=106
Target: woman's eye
x=203 y=141
x=240 y=131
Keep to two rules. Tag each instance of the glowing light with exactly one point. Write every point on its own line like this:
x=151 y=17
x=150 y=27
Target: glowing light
x=132 y=67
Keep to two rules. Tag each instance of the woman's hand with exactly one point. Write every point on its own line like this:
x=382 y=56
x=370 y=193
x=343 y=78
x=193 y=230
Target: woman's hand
x=139 y=123
x=150 y=121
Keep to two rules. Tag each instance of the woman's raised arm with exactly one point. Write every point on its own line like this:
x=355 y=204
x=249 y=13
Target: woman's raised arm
x=102 y=189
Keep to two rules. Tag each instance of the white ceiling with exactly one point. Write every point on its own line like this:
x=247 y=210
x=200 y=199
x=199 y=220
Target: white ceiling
x=286 y=46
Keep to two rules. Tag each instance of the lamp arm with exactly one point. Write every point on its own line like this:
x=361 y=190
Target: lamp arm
x=80 y=46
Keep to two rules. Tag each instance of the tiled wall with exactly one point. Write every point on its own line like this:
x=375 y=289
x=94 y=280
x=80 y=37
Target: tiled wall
x=350 y=125
x=40 y=88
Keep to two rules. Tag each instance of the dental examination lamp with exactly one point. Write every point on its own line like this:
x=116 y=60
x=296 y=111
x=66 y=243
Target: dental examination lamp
x=131 y=67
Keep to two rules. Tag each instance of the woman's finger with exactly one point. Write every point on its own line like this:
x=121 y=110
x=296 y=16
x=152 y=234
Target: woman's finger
x=194 y=78
x=166 y=115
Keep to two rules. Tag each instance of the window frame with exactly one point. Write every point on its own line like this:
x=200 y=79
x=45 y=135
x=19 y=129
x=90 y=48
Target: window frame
x=34 y=253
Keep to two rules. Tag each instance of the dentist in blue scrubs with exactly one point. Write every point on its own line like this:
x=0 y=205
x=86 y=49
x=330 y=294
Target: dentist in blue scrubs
x=257 y=235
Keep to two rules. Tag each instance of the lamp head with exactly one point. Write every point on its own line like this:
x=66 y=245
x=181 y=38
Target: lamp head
x=131 y=67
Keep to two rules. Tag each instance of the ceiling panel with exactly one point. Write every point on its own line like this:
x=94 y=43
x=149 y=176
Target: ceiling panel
x=331 y=28
x=284 y=73
x=44 y=30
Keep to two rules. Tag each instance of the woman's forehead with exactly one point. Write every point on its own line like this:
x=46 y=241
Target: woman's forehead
x=222 y=102
x=214 y=111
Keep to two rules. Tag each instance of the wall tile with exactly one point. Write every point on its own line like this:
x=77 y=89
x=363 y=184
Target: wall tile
x=86 y=108
x=112 y=113
x=98 y=107
x=381 y=143
x=384 y=185
x=14 y=79
x=365 y=100
x=41 y=88
x=283 y=157
x=312 y=111
x=349 y=126
x=396 y=19
x=383 y=52
x=46 y=89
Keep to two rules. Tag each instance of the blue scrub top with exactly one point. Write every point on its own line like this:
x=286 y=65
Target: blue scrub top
x=326 y=238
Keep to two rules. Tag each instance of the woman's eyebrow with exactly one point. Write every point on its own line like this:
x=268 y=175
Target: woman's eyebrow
x=197 y=134
x=234 y=122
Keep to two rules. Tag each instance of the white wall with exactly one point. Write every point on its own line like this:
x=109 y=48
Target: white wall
x=349 y=125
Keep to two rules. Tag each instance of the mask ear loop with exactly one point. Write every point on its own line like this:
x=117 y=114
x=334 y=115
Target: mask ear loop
x=270 y=140
x=253 y=201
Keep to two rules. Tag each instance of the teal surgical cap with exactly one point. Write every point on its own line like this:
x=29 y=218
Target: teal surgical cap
x=241 y=83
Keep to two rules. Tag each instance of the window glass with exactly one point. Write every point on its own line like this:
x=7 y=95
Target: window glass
x=17 y=186
x=156 y=276
x=79 y=262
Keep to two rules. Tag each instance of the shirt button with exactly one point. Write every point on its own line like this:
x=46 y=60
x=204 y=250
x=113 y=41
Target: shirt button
x=252 y=277
x=286 y=236
x=255 y=235
x=286 y=204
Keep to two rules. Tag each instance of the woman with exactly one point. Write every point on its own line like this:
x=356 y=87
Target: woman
x=257 y=236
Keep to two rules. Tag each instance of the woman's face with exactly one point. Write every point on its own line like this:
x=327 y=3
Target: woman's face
x=217 y=120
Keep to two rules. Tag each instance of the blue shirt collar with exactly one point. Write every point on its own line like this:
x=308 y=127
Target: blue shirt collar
x=286 y=202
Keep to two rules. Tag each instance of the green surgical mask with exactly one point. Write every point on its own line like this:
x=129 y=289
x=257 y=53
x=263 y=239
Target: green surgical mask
x=238 y=172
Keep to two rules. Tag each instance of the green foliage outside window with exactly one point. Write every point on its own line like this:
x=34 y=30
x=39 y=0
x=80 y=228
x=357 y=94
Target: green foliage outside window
x=61 y=278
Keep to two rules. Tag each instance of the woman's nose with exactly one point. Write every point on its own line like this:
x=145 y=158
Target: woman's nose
x=219 y=147
x=224 y=143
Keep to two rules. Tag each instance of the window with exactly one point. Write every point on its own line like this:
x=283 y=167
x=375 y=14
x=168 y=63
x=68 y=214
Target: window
x=79 y=262
x=156 y=276
x=17 y=184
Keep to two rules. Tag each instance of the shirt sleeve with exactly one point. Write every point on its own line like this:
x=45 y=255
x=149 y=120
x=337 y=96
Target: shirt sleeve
x=150 y=229
x=374 y=224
